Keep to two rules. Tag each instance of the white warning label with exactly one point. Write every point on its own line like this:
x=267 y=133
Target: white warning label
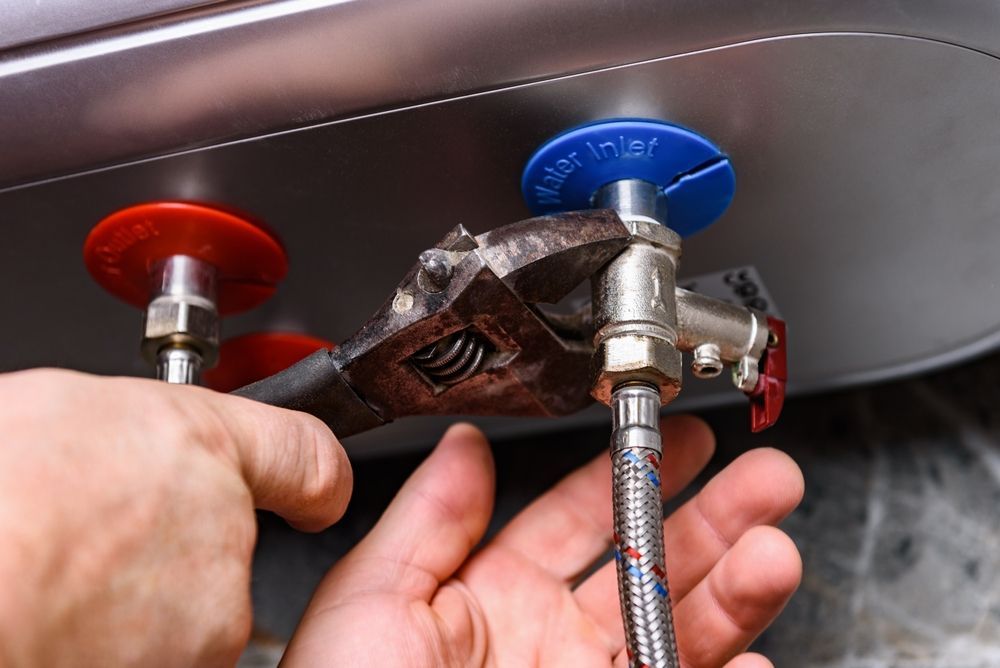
x=742 y=285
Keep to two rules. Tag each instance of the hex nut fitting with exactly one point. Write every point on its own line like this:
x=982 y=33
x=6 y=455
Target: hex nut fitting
x=184 y=322
x=656 y=235
x=630 y=358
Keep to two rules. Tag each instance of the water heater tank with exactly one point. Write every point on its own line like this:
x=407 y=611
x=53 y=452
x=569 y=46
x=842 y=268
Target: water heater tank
x=864 y=137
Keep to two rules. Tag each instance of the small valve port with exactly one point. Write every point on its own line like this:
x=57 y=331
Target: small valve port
x=707 y=361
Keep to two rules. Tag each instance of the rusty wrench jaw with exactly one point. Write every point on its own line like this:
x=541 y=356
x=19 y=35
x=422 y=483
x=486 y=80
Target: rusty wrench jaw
x=462 y=334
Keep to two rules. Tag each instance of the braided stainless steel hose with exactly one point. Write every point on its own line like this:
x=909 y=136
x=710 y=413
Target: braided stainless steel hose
x=636 y=449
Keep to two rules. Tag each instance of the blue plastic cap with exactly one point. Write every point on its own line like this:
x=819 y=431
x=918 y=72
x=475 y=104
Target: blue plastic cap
x=696 y=176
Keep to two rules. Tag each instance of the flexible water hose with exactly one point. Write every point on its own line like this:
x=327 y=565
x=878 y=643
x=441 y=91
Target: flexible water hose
x=636 y=449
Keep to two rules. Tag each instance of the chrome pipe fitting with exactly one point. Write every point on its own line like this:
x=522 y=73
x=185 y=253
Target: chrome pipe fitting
x=635 y=312
x=179 y=365
x=634 y=200
x=635 y=418
x=181 y=323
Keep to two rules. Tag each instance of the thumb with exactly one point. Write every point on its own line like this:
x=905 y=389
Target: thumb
x=292 y=463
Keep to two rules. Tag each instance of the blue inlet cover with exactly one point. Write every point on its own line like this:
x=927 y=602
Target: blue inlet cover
x=696 y=176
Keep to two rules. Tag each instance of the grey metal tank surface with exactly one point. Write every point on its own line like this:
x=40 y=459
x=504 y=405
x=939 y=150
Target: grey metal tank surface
x=25 y=23
x=864 y=138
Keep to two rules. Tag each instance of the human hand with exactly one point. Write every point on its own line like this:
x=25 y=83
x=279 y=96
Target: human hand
x=127 y=516
x=414 y=593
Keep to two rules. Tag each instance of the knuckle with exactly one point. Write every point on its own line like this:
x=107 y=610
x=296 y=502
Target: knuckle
x=45 y=392
x=329 y=478
x=238 y=631
x=230 y=636
x=781 y=571
x=46 y=379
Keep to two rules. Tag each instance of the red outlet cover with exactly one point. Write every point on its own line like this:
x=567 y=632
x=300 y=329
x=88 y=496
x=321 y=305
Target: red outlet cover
x=122 y=248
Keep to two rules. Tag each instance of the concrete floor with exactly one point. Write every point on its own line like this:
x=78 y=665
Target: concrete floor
x=899 y=529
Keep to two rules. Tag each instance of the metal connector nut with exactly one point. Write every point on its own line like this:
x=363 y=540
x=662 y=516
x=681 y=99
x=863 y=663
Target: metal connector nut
x=181 y=322
x=629 y=358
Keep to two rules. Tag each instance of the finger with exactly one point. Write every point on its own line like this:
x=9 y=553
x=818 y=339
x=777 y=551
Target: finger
x=568 y=527
x=738 y=599
x=429 y=529
x=750 y=660
x=292 y=463
x=761 y=487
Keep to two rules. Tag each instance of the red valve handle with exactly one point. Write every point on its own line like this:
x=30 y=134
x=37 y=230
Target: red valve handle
x=767 y=399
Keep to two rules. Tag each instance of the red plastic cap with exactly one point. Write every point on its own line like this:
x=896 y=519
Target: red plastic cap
x=768 y=398
x=121 y=249
x=251 y=357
